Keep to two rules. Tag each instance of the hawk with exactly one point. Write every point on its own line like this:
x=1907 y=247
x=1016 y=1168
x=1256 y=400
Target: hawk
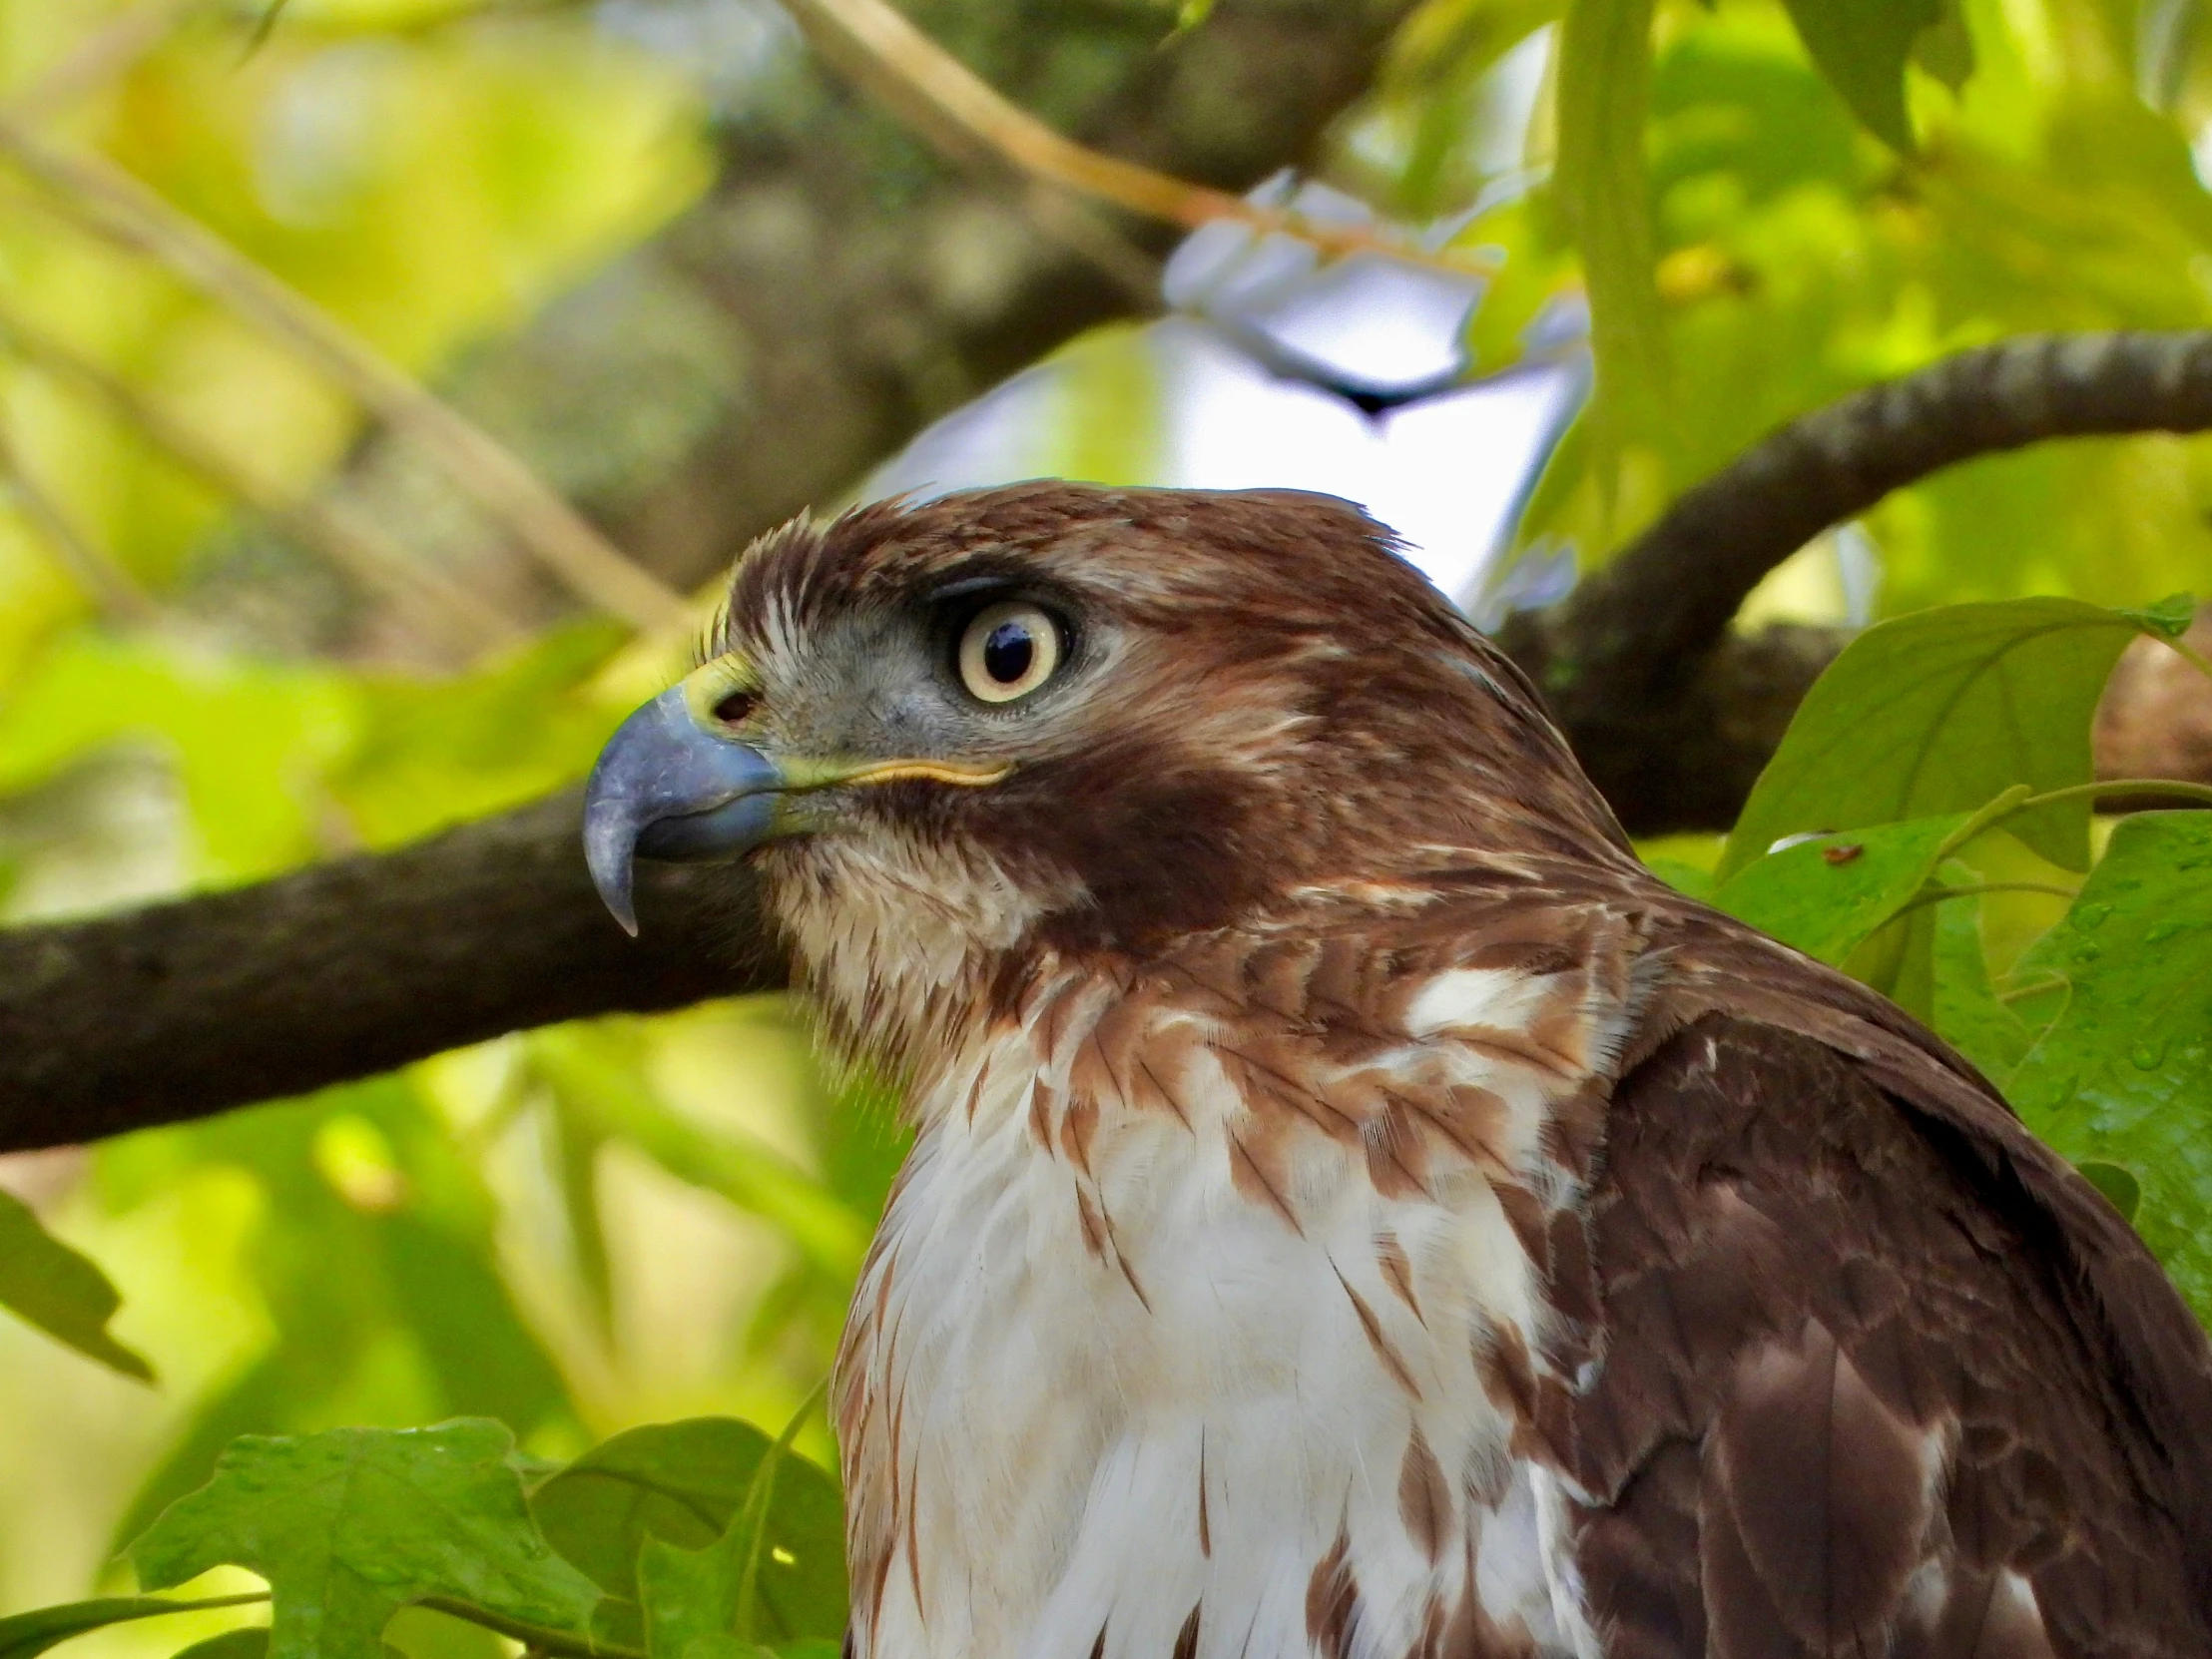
x=1354 y=1210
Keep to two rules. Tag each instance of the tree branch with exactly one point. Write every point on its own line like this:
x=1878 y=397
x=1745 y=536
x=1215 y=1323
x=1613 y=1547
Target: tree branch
x=346 y=969
x=1671 y=716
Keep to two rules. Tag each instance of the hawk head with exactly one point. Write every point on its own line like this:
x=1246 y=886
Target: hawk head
x=1051 y=719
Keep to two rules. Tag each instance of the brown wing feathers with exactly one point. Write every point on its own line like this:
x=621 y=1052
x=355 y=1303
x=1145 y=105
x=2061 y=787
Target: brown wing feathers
x=1856 y=1400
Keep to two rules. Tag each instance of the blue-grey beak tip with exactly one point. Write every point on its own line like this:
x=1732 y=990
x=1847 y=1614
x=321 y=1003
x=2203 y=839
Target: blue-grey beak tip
x=664 y=788
x=610 y=848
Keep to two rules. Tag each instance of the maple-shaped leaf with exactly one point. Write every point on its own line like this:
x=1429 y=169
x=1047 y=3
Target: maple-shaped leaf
x=351 y=1526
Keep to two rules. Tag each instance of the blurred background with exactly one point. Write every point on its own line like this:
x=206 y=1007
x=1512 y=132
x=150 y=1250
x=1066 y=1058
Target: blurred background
x=312 y=321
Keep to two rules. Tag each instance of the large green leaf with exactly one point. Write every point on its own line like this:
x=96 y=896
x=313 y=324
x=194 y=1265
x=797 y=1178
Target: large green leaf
x=684 y=1483
x=2123 y=1075
x=1830 y=895
x=50 y=1285
x=1940 y=712
x=352 y=1525
x=1862 y=46
x=34 y=1632
x=701 y=1601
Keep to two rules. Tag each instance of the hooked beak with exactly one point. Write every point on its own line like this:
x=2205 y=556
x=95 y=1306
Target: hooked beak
x=671 y=785
x=663 y=787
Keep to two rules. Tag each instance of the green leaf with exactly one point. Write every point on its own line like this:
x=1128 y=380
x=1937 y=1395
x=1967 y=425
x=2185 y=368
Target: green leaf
x=1828 y=894
x=1938 y=712
x=2169 y=619
x=2123 y=1075
x=1604 y=93
x=698 y=1602
x=2118 y=1183
x=351 y=1526
x=1862 y=46
x=34 y=1632
x=51 y=1286
x=1683 y=876
x=1968 y=1014
x=685 y=1483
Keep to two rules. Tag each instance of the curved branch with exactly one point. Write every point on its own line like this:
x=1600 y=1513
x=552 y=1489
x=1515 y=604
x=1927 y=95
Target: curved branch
x=346 y=969
x=1638 y=663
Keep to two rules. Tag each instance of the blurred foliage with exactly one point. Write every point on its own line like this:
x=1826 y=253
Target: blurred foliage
x=578 y=1232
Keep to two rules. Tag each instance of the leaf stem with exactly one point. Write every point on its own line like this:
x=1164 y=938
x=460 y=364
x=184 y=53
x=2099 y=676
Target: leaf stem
x=2005 y=803
x=759 y=1494
x=2120 y=786
x=2016 y=800
x=1971 y=890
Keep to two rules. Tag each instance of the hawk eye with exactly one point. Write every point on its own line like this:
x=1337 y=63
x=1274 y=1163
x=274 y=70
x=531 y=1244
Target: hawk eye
x=1008 y=651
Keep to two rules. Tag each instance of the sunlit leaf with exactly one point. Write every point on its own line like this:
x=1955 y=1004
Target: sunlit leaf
x=1682 y=877
x=351 y=1526
x=1941 y=712
x=1604 y=86
x=25 y=1634
x=51 y=1286
x=431 y=753
x=2123 y=1076
x=1827 y=896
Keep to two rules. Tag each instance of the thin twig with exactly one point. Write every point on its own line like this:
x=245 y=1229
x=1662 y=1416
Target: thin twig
x=102 y=56
x=2201 y=792
x=428 y=596
x=914 y=76
x=90 y=566
x=103 y=198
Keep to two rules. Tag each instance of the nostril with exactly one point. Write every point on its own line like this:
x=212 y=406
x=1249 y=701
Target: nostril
x=736 y=706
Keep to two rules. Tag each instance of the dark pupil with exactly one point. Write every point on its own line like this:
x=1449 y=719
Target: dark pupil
x=1008 y=651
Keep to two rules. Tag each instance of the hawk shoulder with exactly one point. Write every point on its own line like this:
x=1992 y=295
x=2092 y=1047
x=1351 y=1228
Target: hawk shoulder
x=1881 y=1374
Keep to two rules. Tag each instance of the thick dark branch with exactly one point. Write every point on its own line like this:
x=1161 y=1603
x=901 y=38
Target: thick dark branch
x=352 y=967
x=1637 y=661
x=348 y=969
